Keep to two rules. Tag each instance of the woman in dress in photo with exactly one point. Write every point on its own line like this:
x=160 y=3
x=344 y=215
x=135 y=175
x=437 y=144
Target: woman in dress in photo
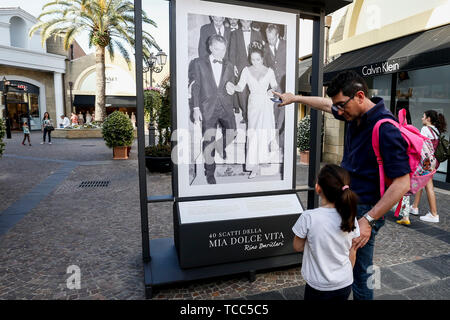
x=261 y=134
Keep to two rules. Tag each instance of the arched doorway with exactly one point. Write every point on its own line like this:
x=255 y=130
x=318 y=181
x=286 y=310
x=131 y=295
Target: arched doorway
x=22 y=104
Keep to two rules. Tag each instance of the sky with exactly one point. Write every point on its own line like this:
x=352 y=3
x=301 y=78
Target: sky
x=158 y=11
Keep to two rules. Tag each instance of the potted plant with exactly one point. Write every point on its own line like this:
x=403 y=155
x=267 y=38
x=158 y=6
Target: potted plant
x=158 y=112
x=117 y=132
x=303 y=138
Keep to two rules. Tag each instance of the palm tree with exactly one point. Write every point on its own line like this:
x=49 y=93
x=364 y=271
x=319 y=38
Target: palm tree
x=110 y=25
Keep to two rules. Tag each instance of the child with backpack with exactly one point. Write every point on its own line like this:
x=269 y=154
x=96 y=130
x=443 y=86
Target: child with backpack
x=26 y=133
x=325 y=236
x=434 y=125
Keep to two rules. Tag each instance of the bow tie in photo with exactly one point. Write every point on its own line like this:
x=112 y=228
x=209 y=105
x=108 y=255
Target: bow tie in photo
x=217 y=61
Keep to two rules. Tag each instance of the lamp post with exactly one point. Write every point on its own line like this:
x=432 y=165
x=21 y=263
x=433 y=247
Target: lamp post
x=6 y=85
x=71 y=97
x=154 y=64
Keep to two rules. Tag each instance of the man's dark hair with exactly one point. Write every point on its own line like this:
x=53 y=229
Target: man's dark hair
x=349 y=82
x=273 y=27
x=216 y=38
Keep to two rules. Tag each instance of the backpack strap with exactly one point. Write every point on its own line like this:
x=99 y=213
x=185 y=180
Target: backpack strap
x=376 y=149
x=434 y=133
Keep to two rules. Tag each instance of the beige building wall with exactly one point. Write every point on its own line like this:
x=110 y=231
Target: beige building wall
x=368 y=22
x=79 y=69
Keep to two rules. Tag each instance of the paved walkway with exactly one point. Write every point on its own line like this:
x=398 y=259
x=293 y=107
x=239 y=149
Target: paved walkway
x=49 y=223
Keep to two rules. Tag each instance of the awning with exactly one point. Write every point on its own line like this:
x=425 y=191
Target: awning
x=110 y=101
x=84 y=100
x=120 y=101
x=425 y=49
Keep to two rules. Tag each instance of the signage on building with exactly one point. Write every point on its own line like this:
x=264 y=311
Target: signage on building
x=383 y=67
x=380 y=68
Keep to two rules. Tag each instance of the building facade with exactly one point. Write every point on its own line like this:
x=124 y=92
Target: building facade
x=34 y=69
x=80 y=84
x=402 y=49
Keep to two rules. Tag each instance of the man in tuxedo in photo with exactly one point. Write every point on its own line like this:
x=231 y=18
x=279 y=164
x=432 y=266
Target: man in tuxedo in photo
x=275 y=58
x=240 y=40
x=213 y=104
x=215 y=27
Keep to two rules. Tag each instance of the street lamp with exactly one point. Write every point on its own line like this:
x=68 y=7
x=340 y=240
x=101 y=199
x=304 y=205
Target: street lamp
x=154 y=64
x=6 y=85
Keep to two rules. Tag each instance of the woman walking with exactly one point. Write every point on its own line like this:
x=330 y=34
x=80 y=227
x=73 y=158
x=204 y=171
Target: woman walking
x=47 y=128
x=434 y=125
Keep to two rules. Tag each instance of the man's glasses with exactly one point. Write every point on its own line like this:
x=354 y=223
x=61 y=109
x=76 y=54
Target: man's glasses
x=340 y=106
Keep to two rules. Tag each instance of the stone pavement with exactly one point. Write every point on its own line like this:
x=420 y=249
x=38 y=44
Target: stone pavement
x=48 y=223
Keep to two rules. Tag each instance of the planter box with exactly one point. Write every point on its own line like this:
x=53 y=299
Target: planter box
x=158 y=164
x=79 y=133
x=120 y=153
x=304 y=157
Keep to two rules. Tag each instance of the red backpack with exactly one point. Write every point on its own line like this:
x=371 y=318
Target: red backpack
x=420 y=152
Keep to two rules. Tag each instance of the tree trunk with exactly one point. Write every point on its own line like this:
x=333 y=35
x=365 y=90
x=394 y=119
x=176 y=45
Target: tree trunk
x=100 y=90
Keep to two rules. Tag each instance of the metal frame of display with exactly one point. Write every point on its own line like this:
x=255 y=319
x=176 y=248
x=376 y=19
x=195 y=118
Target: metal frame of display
x=161 y=267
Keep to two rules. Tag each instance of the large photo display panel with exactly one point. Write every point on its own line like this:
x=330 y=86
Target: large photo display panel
x=231 y=137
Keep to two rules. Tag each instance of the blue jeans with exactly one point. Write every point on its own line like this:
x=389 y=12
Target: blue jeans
x=364 y=258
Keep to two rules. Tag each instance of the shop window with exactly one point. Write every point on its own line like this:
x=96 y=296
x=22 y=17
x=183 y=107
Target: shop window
x=430 y=89
x=34 y=111
x=380 y=87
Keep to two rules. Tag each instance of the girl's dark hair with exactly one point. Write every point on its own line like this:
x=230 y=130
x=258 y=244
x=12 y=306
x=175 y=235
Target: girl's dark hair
x=45 y=114
x=437 y=120
x=332 y=179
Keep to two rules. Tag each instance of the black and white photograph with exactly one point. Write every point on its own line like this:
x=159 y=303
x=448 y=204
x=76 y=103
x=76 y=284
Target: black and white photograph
x=237 y=132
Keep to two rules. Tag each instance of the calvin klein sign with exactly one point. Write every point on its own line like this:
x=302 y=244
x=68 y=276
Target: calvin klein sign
x=377 y=68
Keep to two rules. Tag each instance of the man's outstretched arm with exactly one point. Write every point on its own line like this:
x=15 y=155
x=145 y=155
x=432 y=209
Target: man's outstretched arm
x=319 y=103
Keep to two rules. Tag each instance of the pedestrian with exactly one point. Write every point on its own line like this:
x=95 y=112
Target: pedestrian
x=350 y=103
x=434 y=124
x=325 y=236
x=404 y=211
x=26 y=133
x=74 y=119
x=65 y=122
x=47 y=128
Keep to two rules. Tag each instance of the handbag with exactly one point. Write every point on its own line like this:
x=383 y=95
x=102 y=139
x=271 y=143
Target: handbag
x=50 y=128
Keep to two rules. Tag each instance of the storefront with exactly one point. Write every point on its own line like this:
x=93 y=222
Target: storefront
x=86 y=103
x=22 y=104
x=120 y=85
x=411 y=72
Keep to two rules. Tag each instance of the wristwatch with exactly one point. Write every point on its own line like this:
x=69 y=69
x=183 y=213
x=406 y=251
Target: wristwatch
x=371 y=220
